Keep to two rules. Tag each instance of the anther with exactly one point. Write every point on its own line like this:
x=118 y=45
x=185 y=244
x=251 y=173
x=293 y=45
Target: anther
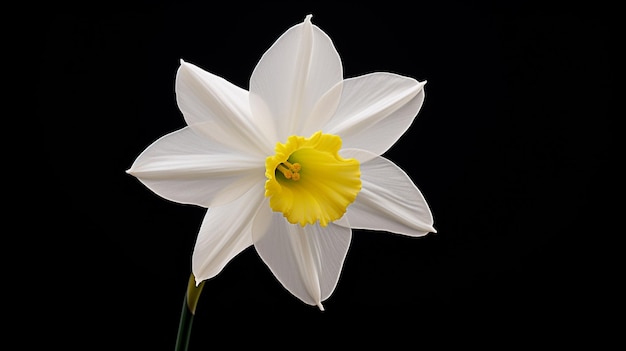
x=290 y=170
x=294 y=167
x=287 y=173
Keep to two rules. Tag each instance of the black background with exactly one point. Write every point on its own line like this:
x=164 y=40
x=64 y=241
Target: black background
x=511 y=150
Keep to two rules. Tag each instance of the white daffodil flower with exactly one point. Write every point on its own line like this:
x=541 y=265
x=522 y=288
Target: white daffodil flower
x=292 y=165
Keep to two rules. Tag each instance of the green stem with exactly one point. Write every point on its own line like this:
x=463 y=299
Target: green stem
x=186 y=316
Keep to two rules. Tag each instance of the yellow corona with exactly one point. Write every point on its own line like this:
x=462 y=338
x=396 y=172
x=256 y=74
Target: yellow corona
x=308 y=181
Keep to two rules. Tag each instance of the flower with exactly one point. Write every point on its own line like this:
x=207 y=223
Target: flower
x=292 y=165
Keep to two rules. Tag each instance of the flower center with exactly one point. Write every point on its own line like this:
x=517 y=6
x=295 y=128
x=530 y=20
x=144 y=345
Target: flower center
x=308 y=181
x=290 y=170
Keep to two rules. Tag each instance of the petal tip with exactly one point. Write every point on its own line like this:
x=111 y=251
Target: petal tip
x=420 y=85
x=184 y=64
x=320 y=306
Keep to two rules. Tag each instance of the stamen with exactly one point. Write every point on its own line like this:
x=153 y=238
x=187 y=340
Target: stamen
x=287 y=173
x=294 y=167
x=290 y=170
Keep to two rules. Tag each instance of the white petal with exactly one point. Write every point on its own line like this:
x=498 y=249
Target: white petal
x=388 y=200
x=220 y=110
x=225 y=232
x=306 y=260
x=322 y=111
x=292 y=76
x=375 y=110
x=188 y=168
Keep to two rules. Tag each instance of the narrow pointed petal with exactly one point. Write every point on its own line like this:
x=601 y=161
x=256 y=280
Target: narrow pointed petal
x=188 y=168
x=306 y=260
x=225 y=232
x=389 y=200
x=220 y=110
x=375 y=110
x=292 y=76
